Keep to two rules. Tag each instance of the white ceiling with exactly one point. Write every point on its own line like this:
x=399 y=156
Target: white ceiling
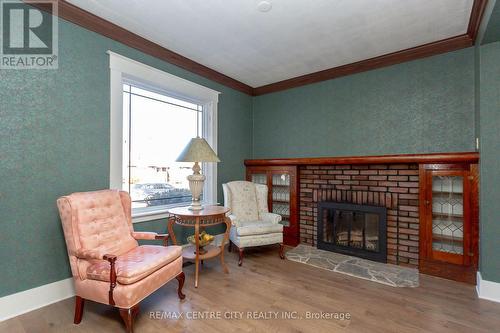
x=296 y=37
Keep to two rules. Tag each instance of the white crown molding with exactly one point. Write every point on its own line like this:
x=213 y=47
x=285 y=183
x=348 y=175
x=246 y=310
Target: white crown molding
x=488 y=290
x=32 y=299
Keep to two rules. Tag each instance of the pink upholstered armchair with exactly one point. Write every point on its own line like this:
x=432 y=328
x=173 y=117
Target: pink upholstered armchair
x=107 y=263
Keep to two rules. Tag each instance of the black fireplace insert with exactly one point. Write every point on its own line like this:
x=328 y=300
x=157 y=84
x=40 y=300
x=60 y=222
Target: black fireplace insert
x=357 y=230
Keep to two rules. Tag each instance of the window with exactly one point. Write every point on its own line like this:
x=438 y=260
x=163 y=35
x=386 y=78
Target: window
x=156 y=129
x=153 y=116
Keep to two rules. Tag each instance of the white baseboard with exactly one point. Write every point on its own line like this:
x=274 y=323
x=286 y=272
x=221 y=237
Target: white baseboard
x=32 y=299
x=487 y=289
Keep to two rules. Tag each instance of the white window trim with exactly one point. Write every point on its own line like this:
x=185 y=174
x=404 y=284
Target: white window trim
x=122 y=68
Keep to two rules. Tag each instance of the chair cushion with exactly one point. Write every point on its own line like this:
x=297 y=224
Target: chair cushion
x=257 y=228
x=255 y=240
x=135 y=264
x=243 y=200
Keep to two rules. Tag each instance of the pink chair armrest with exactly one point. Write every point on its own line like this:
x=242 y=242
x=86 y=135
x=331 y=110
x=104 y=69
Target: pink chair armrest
x=146 y=235
x=111 y=258
x=89 y=254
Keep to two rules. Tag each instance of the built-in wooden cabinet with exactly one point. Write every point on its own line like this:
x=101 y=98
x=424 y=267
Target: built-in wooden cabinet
x=442 y=226
x=449 y=221
x=282 y=196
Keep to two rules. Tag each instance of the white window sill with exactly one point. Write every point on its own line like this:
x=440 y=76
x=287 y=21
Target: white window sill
x=145 y=215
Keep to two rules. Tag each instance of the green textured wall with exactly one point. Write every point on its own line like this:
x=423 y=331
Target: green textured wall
x=54 y=140
x=54 y=136
x=490 y=161
x=492 y=33
x=421 y=106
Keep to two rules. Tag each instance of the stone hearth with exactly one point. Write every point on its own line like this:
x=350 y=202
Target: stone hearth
x=361 y=268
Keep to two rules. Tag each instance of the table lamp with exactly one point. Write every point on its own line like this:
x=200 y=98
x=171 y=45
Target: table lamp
x=197 y=150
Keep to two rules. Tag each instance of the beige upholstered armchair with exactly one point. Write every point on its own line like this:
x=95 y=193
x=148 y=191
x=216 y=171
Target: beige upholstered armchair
x=253 y=225
x=107 y=263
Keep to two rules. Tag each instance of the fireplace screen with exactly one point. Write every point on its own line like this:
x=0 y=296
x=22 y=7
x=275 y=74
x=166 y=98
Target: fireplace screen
x=357 y=230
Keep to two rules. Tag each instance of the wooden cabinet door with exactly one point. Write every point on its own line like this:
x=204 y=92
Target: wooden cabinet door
x=283 y=201
x=447 y=228
x=282 y=196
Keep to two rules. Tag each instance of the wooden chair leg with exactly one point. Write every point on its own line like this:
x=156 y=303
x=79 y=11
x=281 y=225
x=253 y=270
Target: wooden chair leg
x=240 y=261
x=79 y=303
x=282 y=251
x=181 y=277
x=128 y=316
x=230 y=246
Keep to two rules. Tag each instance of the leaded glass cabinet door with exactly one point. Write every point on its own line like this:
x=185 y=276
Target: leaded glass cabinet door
x=280 y=196
x=448 y=216
x=259 y=178
x=283 y=201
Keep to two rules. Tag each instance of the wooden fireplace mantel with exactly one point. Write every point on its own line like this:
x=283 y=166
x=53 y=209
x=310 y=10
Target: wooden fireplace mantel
x=461 y=157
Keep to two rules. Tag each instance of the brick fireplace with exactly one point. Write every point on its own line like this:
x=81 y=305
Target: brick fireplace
x=394 y=186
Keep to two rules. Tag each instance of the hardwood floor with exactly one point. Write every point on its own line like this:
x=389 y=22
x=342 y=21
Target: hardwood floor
x=266 y=283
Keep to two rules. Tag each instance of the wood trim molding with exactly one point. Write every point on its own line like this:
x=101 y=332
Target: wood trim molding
x=418 y=52
x=427 y=50
x=464 y=157
x=103 y=27
x=475 y=18
x=89 y=21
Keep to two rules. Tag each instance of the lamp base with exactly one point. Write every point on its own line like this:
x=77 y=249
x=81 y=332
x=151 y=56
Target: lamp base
x=195 y=206
x=196 y=181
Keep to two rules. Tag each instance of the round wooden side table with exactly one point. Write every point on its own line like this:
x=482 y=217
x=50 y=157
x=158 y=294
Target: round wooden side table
x=208 y=216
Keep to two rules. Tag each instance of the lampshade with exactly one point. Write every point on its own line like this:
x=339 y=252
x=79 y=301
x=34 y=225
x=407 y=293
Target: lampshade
x=198 y=150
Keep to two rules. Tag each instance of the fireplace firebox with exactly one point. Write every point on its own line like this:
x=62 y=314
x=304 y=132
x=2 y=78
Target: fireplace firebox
x=357 y=230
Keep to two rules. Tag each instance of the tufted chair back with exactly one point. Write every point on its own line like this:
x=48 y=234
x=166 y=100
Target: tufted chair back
x=247 y=200
x=98 y=221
